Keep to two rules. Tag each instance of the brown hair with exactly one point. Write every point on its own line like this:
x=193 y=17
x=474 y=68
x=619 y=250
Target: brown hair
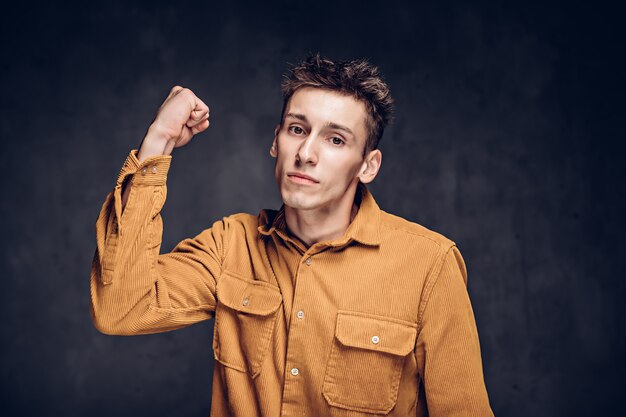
x=356 y=78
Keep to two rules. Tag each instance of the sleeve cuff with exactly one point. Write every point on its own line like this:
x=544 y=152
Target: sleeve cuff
x=152 y=171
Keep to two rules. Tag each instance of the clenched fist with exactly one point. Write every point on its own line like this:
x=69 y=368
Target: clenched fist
x=180 y=117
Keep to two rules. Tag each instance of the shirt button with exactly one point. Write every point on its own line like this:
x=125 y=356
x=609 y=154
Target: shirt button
x=300 y=314
x=294 y=371
x=143 y=171
x=245 y=301
x=154 y=169
x=308 y=261
x=375 y=339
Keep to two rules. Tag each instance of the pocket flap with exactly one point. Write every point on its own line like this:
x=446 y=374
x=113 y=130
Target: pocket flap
x=368 y=331
x=253 y=297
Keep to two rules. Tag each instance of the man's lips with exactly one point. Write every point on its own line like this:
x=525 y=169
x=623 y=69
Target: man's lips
x=301 y=178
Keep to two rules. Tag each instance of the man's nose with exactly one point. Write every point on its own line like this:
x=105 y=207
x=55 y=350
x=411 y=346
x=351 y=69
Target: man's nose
x=307 y=152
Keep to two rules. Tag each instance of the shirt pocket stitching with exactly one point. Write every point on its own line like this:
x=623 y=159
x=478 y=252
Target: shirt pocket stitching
x=243 y=330
x=352 y=346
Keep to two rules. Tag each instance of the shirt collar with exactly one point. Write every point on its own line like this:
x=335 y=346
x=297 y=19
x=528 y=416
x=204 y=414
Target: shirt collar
x=364 y=228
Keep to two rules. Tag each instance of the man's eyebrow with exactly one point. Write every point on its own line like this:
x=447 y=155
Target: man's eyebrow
x=297 y=116
x=339 y=127
x=332 y=125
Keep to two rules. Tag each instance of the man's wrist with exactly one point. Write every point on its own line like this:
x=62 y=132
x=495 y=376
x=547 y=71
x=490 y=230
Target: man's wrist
x=155 y=143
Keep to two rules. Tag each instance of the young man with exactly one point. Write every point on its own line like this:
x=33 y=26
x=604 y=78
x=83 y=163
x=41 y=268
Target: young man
x=327 y=307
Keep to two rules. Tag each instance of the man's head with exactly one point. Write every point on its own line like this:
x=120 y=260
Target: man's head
x=333 y=117
x=356 y=78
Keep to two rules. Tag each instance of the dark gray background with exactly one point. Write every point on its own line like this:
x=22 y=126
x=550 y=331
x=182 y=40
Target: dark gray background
x=508 y=140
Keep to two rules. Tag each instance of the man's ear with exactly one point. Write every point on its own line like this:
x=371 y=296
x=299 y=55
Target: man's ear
x=273 y=149
x=371 y=165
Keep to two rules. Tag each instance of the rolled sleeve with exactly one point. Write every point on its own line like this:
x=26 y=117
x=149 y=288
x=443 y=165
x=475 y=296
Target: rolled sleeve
x=151 y=172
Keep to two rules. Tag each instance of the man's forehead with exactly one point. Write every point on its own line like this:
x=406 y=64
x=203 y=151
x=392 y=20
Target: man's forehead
x=328 y=107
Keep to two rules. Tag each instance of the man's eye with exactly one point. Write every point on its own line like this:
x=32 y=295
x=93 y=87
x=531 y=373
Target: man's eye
x=297 y=130
x=337 y=141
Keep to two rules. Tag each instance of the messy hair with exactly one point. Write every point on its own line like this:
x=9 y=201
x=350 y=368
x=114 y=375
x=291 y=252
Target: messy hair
x=356 y=78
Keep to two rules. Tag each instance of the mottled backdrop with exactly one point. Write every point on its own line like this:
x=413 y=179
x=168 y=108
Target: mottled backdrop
x=508 y=140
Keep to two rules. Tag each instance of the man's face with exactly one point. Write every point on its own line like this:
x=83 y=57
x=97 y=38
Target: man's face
x=322 y=136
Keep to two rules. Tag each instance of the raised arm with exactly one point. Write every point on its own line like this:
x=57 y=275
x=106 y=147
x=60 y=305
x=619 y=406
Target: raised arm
x=134 y=289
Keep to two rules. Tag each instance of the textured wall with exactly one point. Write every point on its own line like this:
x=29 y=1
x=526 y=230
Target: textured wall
x=507 y=140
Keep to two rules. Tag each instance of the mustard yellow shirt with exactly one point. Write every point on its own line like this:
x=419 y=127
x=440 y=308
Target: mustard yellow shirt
x=377 y=322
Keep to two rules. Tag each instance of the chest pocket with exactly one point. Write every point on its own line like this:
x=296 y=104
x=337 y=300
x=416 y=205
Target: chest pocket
x=366 y=360
x=245 y=318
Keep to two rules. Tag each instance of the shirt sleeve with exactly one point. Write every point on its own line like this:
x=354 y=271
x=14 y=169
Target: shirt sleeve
x=134 y=289
x=447 y=348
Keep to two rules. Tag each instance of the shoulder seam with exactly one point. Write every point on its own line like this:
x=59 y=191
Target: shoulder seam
x=431 y=281
x=418 y=234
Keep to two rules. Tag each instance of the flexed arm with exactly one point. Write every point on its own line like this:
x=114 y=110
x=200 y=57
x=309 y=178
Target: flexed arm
x=134 y=289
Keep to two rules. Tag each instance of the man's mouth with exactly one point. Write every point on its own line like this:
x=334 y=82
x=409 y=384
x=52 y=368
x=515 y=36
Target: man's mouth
x=301 y=178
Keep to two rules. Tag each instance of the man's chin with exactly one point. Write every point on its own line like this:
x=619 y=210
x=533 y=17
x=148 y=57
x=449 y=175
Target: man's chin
x=299 y=202
x=299 y=205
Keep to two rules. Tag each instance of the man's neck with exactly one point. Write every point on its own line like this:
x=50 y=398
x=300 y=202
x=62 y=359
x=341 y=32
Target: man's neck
x=312 y=226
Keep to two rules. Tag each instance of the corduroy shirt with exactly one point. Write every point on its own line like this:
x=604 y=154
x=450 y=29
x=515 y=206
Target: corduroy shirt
x=377 y=322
